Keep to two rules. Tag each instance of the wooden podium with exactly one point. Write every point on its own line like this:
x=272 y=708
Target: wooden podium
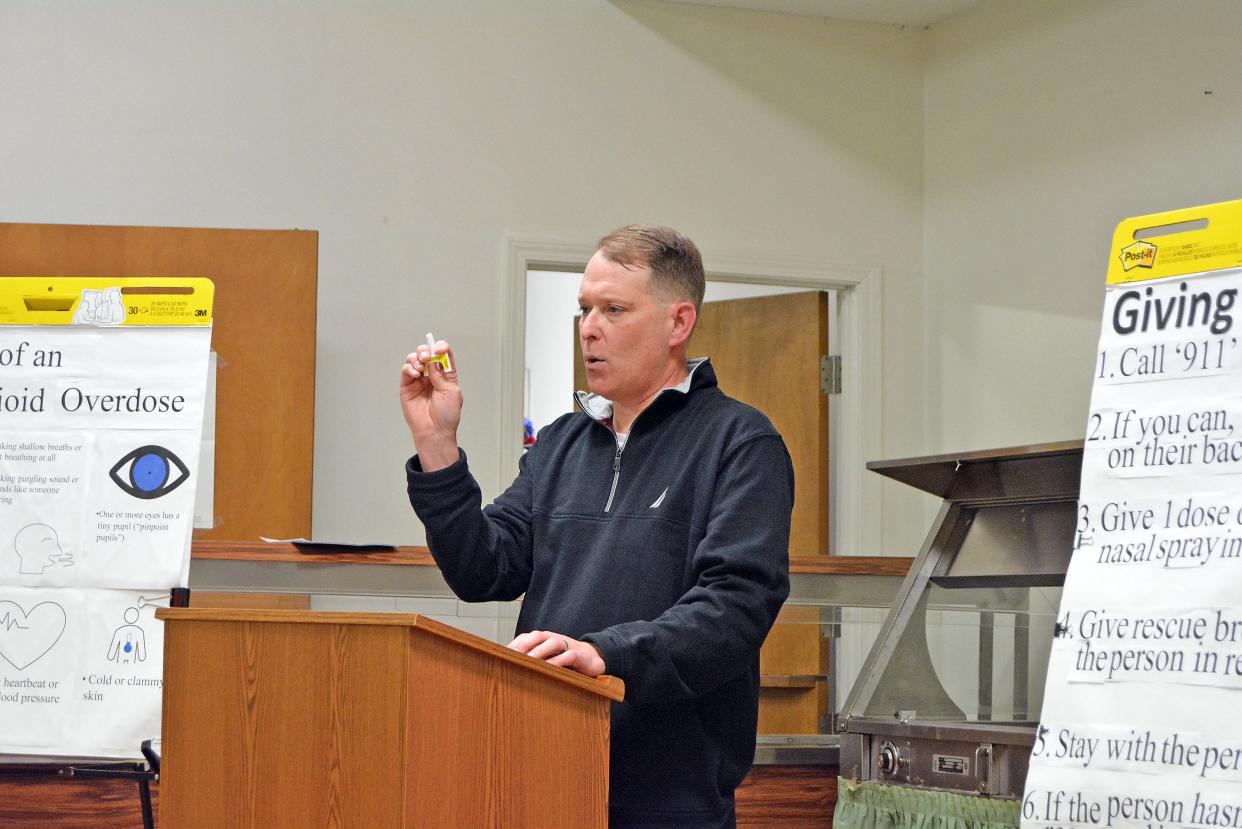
x=278 y=718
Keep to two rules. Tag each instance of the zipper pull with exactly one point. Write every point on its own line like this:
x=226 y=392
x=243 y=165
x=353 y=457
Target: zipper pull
x=616 y=476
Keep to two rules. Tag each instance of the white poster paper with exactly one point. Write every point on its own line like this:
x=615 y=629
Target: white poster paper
x=99 y=444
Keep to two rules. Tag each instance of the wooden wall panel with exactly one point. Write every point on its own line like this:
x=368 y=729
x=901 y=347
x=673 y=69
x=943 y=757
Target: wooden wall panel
x=787 y=797
x=263 y=334
x=49 y=802
x=771 y=797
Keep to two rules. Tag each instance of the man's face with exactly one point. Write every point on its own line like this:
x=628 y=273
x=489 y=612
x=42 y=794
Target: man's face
x=624 y=331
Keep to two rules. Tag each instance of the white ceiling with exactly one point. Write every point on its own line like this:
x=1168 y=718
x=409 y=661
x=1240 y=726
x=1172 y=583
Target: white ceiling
x=898 y=12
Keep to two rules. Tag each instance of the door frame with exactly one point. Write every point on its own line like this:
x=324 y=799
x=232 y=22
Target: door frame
x=859 y=516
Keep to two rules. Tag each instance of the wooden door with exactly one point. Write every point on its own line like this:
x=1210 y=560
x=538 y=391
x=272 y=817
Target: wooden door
x=766 y=352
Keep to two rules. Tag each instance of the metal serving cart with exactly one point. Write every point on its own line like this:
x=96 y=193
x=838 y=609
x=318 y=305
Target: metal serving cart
x=950 y=694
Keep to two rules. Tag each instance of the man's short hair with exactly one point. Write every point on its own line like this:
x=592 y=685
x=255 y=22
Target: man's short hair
x=675 y=263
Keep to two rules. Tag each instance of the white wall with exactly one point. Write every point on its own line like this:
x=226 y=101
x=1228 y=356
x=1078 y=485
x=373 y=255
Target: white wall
x=415 y=135
x=1046 y=124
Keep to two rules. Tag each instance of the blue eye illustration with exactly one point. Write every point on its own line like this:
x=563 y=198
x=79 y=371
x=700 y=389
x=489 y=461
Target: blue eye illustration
x=153 y=471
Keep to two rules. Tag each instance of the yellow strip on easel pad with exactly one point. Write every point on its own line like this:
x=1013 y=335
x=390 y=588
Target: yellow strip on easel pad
x=106 y=301
x=1210 y=240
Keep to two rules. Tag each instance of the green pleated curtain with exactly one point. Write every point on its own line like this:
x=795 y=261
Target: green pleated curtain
x=868 y=805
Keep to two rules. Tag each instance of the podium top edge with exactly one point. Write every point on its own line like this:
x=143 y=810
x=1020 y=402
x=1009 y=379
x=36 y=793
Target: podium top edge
x=607 y=686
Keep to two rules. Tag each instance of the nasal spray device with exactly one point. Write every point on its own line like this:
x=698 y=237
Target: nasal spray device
x=442 y=359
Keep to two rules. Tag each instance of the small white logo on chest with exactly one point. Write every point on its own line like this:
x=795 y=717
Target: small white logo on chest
x=659 y=500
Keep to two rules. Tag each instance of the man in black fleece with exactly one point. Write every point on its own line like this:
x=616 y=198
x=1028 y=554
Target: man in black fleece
x=649 y=532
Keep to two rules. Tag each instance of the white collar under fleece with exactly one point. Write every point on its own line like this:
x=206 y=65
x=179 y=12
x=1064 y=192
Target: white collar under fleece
x=600 y=408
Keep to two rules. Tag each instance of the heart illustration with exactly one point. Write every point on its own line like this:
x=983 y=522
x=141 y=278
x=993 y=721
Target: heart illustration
x=26 y=636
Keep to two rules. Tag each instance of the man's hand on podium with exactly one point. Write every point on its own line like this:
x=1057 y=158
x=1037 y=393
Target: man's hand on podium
x=558 y=649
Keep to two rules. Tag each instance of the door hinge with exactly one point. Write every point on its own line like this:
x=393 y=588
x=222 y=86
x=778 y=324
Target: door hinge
x=830 y=374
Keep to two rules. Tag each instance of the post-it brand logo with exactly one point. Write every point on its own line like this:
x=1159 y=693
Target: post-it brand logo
x=1138 y=255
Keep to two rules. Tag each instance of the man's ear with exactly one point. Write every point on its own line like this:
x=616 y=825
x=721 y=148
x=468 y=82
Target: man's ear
x=683 y=317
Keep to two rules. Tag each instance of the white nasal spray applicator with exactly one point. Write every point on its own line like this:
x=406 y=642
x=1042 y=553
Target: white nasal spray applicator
x=442 y=359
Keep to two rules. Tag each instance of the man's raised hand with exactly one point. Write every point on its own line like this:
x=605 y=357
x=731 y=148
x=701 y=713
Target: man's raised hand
x=431 y=402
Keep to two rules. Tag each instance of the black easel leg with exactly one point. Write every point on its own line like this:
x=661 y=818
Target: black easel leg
x=144 y=794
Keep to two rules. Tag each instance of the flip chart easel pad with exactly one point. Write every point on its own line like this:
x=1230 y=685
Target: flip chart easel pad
x=1140 y=723
x=102 y=387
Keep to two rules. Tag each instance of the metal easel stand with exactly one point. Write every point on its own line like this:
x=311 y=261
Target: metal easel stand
x=144 y=773
x=141 y=772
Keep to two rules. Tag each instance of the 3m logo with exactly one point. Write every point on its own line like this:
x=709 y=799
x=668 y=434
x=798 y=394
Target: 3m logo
x=1138 y=255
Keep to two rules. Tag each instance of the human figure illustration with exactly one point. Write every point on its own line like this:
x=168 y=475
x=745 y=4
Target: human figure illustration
x=37 y=549
x=100 y=308
x=129 y=643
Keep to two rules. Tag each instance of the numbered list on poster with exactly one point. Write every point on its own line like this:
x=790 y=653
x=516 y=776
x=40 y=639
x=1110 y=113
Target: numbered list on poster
x=1142 y=718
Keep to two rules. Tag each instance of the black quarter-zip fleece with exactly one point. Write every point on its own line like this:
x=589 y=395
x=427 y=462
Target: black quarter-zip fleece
x=676 y=581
